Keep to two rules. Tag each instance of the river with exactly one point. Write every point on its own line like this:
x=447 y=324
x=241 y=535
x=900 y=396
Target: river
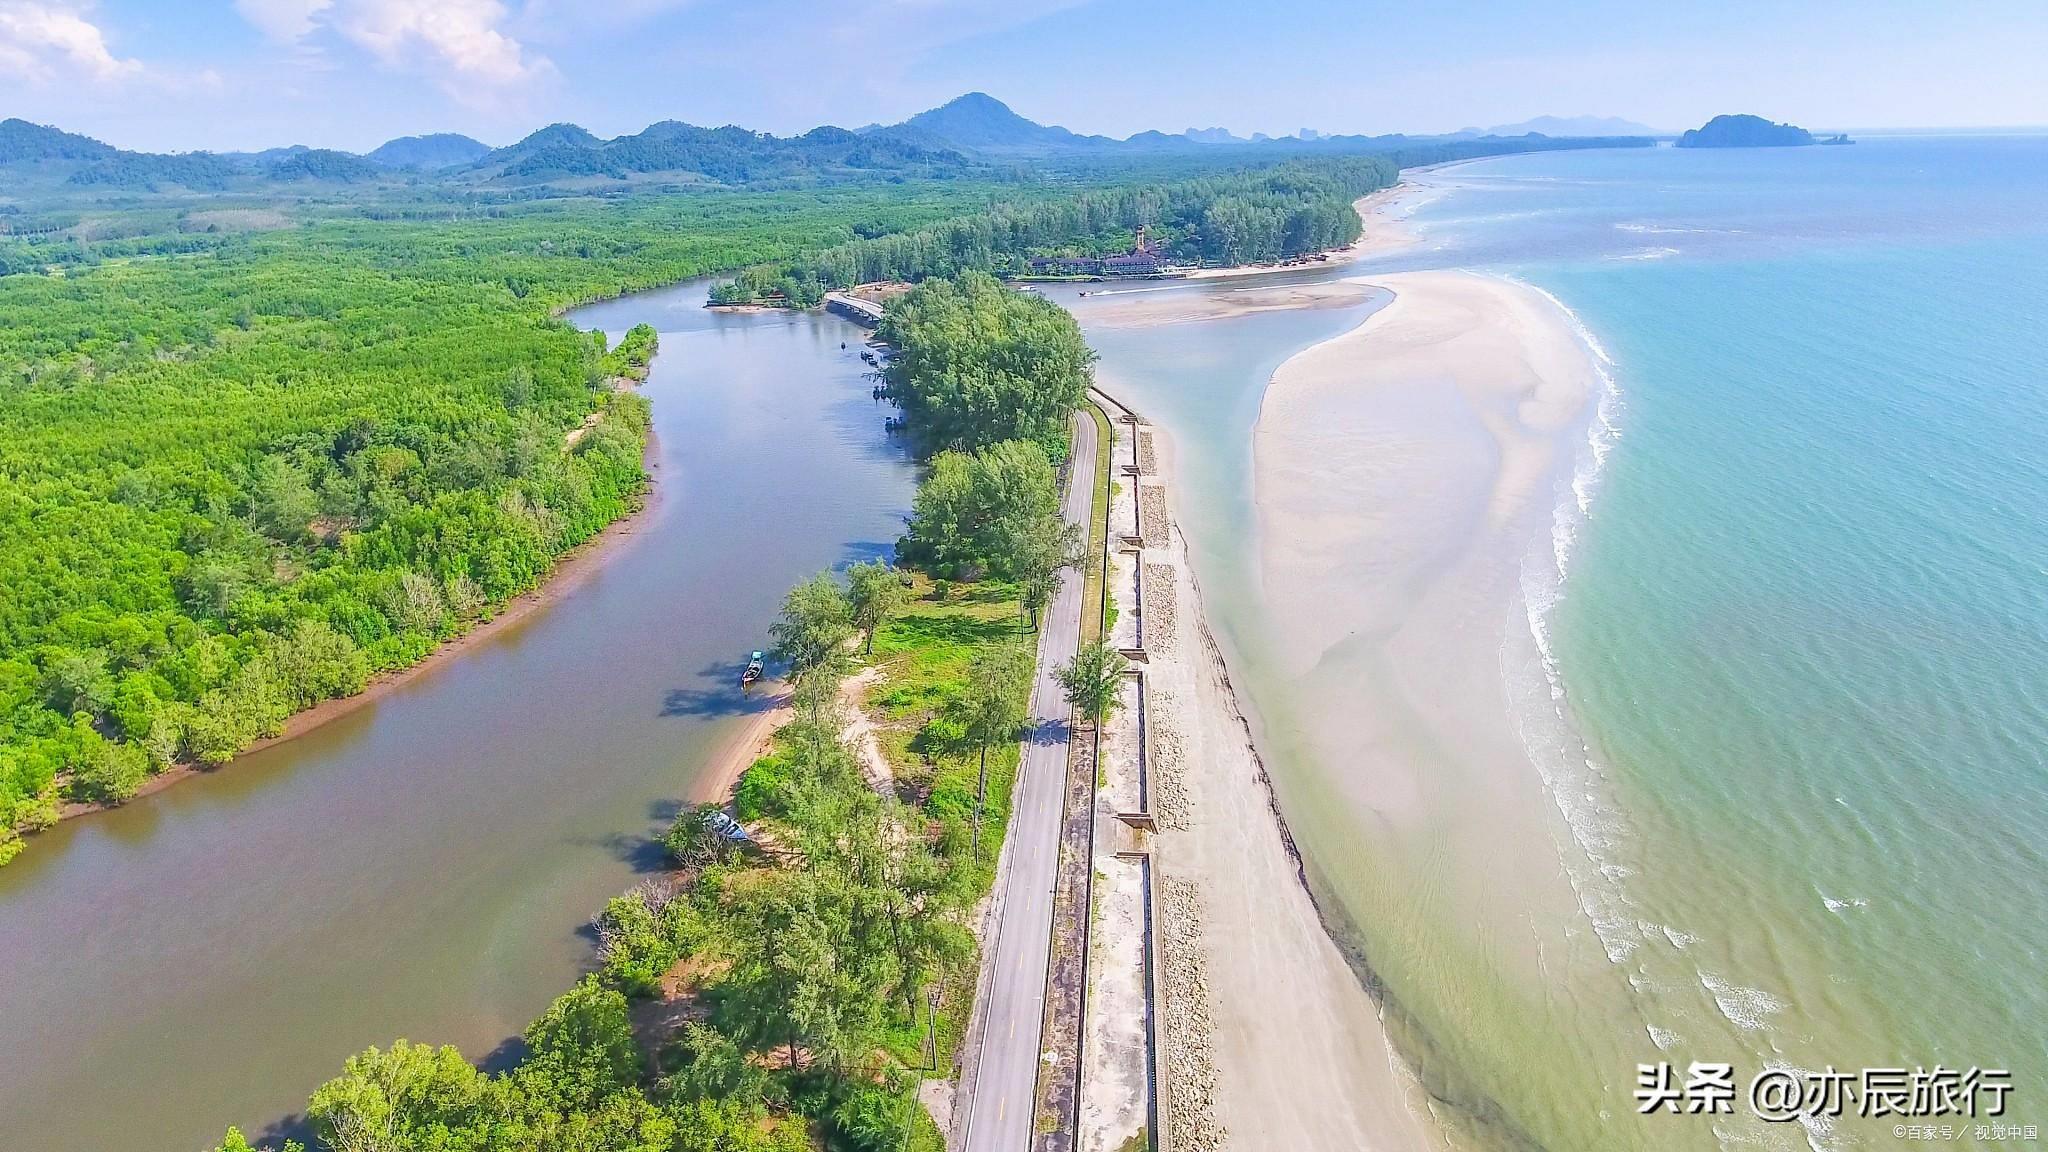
x=426 y=866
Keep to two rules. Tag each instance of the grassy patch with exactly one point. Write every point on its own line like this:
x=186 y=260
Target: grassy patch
x=1093 y=618
x=923 y=655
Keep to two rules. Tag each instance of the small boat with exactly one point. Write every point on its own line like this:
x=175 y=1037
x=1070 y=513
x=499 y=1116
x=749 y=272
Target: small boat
x=752 y=673
x=724 y=825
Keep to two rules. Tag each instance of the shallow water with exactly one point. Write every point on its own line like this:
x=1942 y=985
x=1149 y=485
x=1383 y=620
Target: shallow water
x=1803 y=628
x=424 y=867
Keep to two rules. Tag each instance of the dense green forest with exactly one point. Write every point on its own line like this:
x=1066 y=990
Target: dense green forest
x=241 y=481
x=1221 y=219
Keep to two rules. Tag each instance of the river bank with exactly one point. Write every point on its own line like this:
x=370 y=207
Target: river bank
x=425 y=866
x=571 y=569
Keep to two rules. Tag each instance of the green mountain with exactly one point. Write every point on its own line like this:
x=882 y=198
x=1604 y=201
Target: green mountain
x=1744 y=132
x=439 y=150
x=22 y=141
x=980 y=121
x=727 y=155
x=324 y=164
x=975 y=133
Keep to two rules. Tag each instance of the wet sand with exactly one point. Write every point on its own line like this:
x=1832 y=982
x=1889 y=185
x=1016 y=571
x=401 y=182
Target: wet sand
x=1300 y=1058
x=1407 y=477
x=1185 y=302
x=1214 y=294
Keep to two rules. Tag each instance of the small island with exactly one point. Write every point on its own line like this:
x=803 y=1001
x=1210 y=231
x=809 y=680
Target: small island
x=1749 y=132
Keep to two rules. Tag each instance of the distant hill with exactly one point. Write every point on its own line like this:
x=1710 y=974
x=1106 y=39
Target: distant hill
x=267 y=156
x=552 y=136
x=975 y=133
x=324 y=164
x=1744 y=132
x=1566 y=126
x=150 y=172
x=978 y=120
x=23 y=141
x=439 y=150
x=727 y=155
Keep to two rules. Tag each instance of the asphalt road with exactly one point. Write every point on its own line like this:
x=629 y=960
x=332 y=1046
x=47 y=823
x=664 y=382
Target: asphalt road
x=999 y=1115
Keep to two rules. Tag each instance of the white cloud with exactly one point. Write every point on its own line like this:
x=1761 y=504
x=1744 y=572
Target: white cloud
x=284 y=20
x=462 y=43
x=40 y=41
x=460 y=34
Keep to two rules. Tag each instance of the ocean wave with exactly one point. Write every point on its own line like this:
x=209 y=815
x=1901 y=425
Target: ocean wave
x=1666 y=230
x=1747 y=1008
x=1834 y=905
x=1570 y=773
x=1660 y=253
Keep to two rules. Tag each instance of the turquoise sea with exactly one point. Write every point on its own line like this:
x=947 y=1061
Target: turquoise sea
x=1795 y=608
x=1804 y=626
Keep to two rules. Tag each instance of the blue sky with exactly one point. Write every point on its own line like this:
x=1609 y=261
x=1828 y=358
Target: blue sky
x=231 y=74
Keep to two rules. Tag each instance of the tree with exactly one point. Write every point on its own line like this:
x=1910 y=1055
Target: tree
x=234 y=1141
x=875 y=591
x=582 y=1048
x=794 y=982
x=992 y=709
x=1093 y=680
x=978 y=363
x=816 y=621
x=985 y=510
x=1038 y=553
x=411 y=1096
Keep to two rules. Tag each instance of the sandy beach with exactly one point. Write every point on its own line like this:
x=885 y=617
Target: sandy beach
x=1301 y=1059
x=1407 y=477
x=1268 y=1037
x=1384 y=215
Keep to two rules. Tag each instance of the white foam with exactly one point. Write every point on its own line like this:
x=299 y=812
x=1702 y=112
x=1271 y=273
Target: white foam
x=1747 y=1008
x=1663 y=1038
x=1834 y=905
x=1665 y=230
x=1658 y=253
x=1569 y=772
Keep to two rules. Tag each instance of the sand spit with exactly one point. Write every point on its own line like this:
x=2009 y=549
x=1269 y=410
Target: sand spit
x=1144 y=307
x=1408 y=477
